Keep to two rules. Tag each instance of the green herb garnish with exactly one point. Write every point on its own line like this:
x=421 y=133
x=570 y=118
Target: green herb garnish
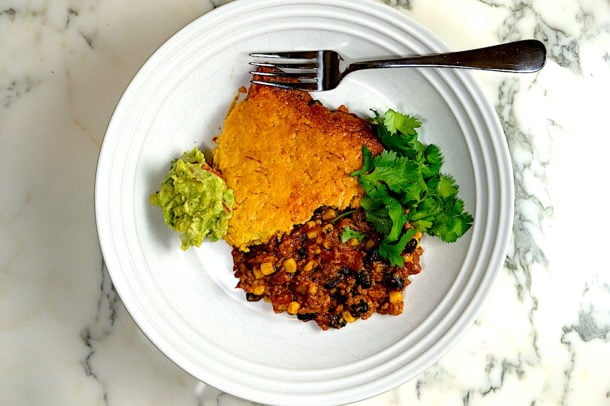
x=348 y=234
x=404 y=184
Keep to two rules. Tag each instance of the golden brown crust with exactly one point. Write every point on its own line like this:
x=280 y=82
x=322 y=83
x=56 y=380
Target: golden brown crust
x=285 y=155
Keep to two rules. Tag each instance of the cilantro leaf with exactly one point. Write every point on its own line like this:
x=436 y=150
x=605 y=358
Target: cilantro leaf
x=404 y=184
x=405 y=145
x=453 y=222
x=397 y=132
x=377 y=215
x=348 y=234
x=432 y=161
x=447 y=187
x=393 y=250
x=398 y=173
x=367 y=162
x=398 y=122
x=398 y=216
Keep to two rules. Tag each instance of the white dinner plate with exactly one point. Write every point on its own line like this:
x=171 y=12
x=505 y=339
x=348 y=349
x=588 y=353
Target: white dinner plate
x=186 y=301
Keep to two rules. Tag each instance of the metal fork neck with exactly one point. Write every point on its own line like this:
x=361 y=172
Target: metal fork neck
x=520 y=56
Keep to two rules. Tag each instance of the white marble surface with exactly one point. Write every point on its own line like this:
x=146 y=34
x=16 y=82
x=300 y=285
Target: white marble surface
x=543 y=334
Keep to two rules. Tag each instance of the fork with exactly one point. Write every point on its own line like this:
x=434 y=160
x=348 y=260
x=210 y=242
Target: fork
x=324 y=69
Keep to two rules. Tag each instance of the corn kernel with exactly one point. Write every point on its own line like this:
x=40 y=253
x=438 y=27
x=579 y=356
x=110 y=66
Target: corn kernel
x=259 y=290
x=313 y=289
x=353 y=242
x=293 y=307
x=267 y=268
x=312 y=234
x=257 y=273
x=290 y=265
x=329 y=214
x=309 y=265
x=347 y=316
x=327 y=229
x=395 y=296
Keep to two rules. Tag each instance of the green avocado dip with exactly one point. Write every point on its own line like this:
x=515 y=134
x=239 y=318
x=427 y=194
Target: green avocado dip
x=195 y=200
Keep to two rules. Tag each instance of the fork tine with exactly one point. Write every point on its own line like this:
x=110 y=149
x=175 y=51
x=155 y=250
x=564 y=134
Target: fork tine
x=295 y=70
x=287 y=64
x=288 y=55
x=312 y=74
x=288 y=85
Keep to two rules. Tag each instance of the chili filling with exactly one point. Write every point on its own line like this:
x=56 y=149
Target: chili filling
x=317 y=274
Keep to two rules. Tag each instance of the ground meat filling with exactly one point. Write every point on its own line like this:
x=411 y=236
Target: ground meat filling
x=314 y=274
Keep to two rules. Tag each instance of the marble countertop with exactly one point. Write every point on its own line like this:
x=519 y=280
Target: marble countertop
x=543 y=334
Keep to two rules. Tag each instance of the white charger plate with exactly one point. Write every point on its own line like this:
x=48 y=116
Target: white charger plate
x=187 y=303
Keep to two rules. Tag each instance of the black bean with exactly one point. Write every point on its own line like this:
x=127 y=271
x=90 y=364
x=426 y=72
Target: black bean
x=336 y=321
x=307 y=316
x=359 y=308
x=371 y=256
x=346 y=272
x=331 y=283
x=374 y=256
x=251 y=297
x=363 y=279
x=411 y=245
x=339 y=296
x=394 y=281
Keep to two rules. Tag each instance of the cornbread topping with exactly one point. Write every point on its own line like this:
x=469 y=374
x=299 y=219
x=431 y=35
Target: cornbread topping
x=284 y=155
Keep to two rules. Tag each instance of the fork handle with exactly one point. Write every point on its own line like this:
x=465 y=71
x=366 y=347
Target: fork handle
x=519 y=56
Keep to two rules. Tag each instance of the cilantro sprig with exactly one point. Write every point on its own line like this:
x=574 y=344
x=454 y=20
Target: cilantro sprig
x=348 y=234
x=404 y=185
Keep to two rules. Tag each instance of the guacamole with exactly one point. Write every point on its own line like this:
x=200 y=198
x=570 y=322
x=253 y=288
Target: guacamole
x=195 y=200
